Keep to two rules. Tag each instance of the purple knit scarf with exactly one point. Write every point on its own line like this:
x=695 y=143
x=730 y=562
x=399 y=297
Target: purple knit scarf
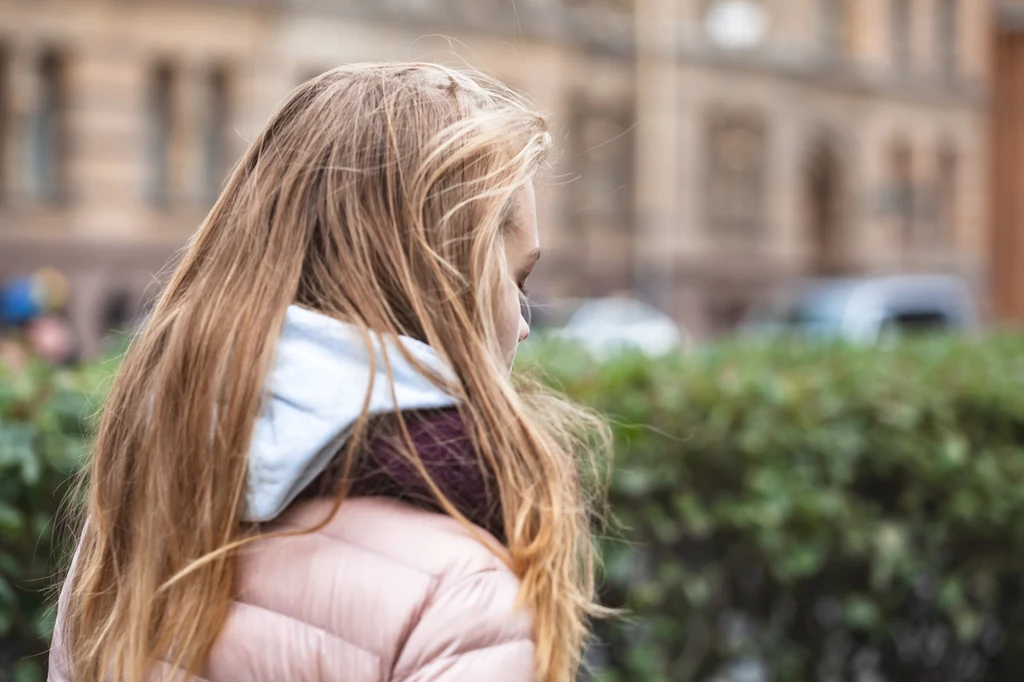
x=447 y=452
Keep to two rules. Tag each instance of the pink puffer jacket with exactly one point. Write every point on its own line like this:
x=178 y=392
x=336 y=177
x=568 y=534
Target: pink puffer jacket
x=384 y=593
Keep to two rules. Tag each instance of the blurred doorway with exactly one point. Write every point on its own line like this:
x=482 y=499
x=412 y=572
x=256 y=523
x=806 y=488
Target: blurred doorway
x=824 y=194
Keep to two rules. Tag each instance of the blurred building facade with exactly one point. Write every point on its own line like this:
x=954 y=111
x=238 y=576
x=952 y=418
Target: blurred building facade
x=711 y=149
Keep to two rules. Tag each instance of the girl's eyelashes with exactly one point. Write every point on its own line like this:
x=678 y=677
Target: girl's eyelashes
x=524 y=302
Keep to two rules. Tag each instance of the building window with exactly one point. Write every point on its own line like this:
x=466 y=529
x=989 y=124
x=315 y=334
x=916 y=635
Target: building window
x=216 y=155
x=899 y=26
x=902 y=179
x=604 y=161
x=946 y=39
x=44 y=168
x=947 y=192
x=826 y=202
x=833 y=26
x=5 y=118
x=160 y=140
x=736 y=163
x=603 y=148
x=118 y=311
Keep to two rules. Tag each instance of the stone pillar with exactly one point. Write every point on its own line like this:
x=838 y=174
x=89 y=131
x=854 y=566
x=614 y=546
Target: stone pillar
x=9 y=126
x=84 y=308
x=974 y=210
x=974 y=37
x=106 y=125
x=924 y=60
x=871 y=244
x=689 y=19
x=872 y=36
x=786 y=190
x=656 y=174
x=796 y=25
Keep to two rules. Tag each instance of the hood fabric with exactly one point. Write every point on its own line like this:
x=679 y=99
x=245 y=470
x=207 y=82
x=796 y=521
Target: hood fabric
x=315 y=393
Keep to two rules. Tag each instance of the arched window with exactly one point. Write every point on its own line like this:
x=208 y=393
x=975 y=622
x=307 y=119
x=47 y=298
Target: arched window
x=602 y=154
x=946 y=37
x=46 y=131
x=947 y=190
x=834 y=28
x=901 y=182
x=825 y=184
x=900 y=27
x=735 y=173
x=216 y=121
x=160 y=134
x=5 y=118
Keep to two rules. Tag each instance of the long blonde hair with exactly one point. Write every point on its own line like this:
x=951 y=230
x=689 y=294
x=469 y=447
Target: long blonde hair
x=378 y=195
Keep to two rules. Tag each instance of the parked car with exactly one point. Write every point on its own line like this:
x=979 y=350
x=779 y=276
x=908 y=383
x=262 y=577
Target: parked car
x=869 y=309
x=605 y=326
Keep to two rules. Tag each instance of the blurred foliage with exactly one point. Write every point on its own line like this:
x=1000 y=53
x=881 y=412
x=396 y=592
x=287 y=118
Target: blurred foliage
x=44 y=421
x=813 y=512
x=783 y=512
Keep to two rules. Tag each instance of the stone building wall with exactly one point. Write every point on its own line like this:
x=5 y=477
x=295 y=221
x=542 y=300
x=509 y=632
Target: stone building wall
x=703 y=160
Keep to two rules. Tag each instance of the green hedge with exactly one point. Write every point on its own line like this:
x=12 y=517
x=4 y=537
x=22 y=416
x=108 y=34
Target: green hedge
x=819 y=513
x=44 y=421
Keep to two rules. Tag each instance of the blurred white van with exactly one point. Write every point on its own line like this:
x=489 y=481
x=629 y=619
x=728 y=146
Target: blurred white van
x=868 y=309
x=606 y=326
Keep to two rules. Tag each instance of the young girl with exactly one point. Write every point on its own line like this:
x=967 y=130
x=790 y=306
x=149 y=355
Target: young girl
x=313 y=464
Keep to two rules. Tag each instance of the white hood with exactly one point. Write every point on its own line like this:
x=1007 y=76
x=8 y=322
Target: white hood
x=315 y=393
